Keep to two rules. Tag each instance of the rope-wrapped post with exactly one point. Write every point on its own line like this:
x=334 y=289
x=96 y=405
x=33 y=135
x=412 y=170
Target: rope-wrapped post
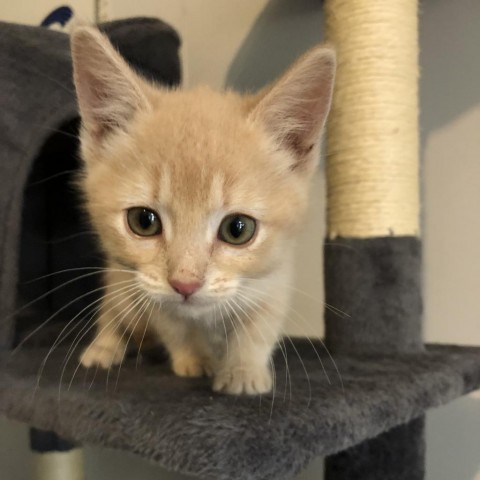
x=372 y=253
x=372 y=250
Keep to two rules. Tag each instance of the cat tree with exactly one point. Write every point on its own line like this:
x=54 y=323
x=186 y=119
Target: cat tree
x=365 y=412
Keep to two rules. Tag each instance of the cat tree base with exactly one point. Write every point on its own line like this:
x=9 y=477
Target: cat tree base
x=398 y=454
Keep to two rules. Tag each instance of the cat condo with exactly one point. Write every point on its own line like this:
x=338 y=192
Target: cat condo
x=362 y=406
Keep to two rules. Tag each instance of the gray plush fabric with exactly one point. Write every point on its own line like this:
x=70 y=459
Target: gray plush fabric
x=398 y=454
x=182 y=425
x=36 y=94
x=377 y=282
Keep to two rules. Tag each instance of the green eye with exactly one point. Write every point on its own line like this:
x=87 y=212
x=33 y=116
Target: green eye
x=144 y=222
x=237 y=229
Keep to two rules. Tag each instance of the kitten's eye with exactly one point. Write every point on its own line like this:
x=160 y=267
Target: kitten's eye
x=237 y=229
x=144 y=222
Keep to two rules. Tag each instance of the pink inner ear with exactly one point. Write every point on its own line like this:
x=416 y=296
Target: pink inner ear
x=103 y=106
x=108 y=91
x=295 y=109
x=308 y=114
x=93 y=97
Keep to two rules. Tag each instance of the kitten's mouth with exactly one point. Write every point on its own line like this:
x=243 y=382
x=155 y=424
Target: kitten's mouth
x=193 y=307
x=192 y=301
x=191 y=304
x=195 y=301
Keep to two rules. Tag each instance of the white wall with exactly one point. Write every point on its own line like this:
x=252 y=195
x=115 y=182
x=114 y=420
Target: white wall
x=246 y=43
x=450 y=94
x=33 y=12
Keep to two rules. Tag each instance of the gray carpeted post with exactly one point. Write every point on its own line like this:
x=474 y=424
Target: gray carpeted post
x=394 y=455
x=377 y=282
x=373 y=250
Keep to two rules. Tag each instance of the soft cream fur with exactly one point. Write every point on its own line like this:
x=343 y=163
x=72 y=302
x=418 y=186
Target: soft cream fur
x=194 y=157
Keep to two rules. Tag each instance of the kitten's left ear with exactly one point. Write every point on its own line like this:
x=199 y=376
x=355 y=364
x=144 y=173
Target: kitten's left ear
x=294 y=110
x=109 y=92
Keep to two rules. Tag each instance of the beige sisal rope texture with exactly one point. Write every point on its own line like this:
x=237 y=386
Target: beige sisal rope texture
x=372 y=133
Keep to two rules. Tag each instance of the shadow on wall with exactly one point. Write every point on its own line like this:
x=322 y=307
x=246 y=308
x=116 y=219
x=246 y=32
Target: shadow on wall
x=449 y=40
x=283 y=31
x=449 y=78
x=449 y=100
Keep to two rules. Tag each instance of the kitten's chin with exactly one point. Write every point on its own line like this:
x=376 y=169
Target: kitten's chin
x=195 y=309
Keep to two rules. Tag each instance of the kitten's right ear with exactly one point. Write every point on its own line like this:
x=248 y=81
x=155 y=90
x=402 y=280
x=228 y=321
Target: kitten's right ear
x=109 y=92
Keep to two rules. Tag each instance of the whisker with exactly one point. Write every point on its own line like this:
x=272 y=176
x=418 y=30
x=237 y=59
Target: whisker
x=274 y=386
x=55 y=175
x=215 y=317
x=138 y=316
x=333 y=309
x=120 y=323
x=58 y=287
x=49 y=319
x=56 y=241
x=252 y=322
x=302 y=364
x=247 y=333
x=226 y=333
x=235 y=330
x=152 y=303
x=31 y=69
x=300 y=317
x=76 y=269
x=288 y=381
x=130 y=289
x=60 y=338
x=86 y=328
x=77 y=340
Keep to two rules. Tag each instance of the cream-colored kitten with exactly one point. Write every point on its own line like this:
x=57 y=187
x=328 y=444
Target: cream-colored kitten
x=196 y=197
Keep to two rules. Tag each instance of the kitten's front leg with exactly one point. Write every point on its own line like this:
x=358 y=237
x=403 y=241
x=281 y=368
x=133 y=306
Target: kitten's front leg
x=108 y=346
x=119 y=307
x=188 y=350
x=105 y=350
x=246 y=367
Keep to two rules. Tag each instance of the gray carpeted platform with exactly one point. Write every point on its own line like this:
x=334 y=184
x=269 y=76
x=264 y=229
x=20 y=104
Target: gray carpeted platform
x=183 y=426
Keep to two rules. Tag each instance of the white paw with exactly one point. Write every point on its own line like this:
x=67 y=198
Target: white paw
x=103 y=355
x=189 y=365
x=254 y=380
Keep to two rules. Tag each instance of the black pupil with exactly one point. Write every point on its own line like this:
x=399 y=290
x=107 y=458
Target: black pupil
x=146 y=219
x=237 y=226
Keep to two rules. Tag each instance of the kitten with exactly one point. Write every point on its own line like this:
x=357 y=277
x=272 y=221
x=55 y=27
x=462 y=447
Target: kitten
x=196 y=197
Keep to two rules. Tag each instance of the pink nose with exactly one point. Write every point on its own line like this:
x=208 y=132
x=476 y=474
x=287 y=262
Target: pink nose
x=185 y=288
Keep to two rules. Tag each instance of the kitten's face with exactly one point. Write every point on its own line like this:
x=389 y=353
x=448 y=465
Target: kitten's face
x=194 y=160
x=199 y=193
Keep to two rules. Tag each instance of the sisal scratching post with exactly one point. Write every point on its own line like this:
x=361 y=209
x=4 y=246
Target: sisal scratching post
x=373 y=250
x=373 y=188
